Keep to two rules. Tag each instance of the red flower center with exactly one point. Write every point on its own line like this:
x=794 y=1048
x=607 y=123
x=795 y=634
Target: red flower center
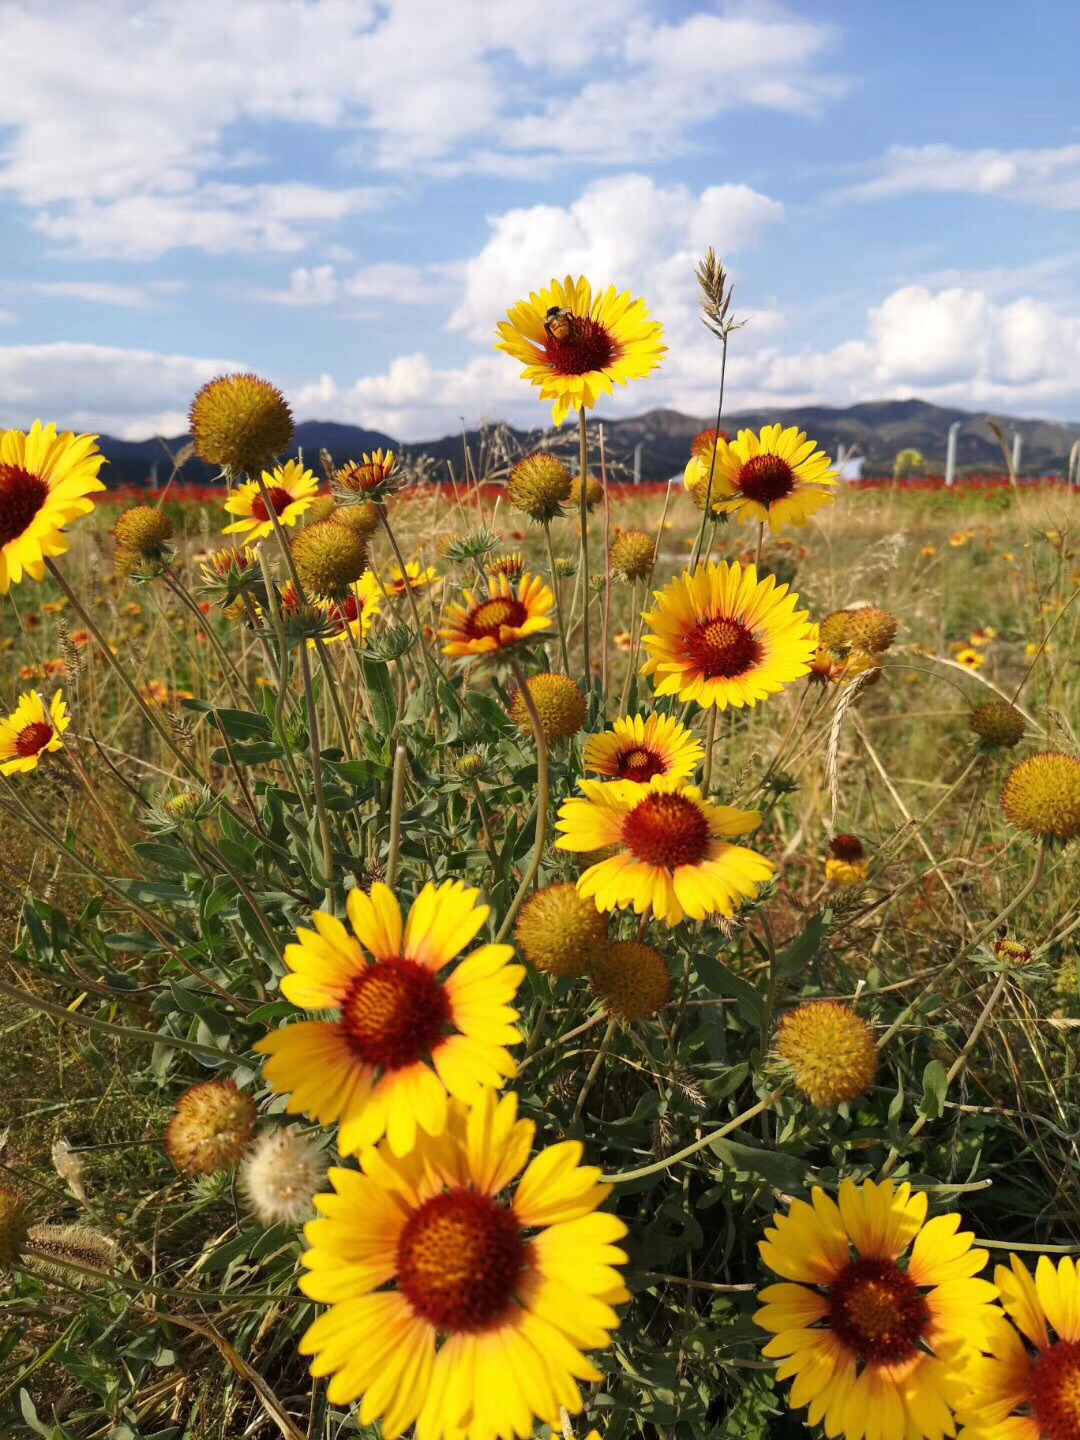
x=33 y=738
x=347 y=612
x=586 y=345
x=492 y=615
x=723 y=647
x=279 y=498
x=667 y=830
x=639 y=764
x=460 y=1258
x=877 y=1312
x=846 y=847
x=766 y=478
x=21 y=497
x=1054 y=1391
x=395 y=1014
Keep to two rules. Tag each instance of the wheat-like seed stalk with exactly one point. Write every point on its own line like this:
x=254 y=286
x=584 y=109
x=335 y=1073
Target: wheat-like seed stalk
x=832 y=754
x=716 y=293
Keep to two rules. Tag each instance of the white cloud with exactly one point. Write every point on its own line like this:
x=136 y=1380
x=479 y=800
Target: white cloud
x=99 y=292
x=386 y=283
x=1050 y=177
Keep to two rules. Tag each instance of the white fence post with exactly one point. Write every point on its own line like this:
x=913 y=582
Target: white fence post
x=950 y=452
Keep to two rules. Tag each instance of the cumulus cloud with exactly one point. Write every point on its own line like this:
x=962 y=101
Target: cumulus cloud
x=101 y=292
x=1050 y=177
x=384 y=283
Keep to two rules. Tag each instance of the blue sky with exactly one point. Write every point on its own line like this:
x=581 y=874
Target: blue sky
x=346 y=195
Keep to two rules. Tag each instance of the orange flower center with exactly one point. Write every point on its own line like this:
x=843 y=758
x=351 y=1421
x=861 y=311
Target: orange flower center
x=21 y=497
x=1054 y=1391
x=33 y=738
x=766 y=478
x=279 y=498
x=877 y=1312
x=363 y=477
x=667 y=830
x=722 y=647
x=586 y=345
x=395 y=1014
x=490 y=617
x=460 y=1258
x=638 y=764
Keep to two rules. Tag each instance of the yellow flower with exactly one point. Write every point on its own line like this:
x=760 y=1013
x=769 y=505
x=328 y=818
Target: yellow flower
x=560 y=704
x=847 y=863
x=876 y=1347
x=576 y=346
x=640 y=747
x=512 y=564
x=454 y=1304
x=1028 y=1386
x=417 y=576
x=355 y=615
x=371 y=478
x=970 y=659
x=1041 y=648
x=406 y=1035
x=45 y=478
x=290 y=490
x=32 y=731
x=723 y=637
x=928 y=552
x=1042 y=796
x=240 y=423
x=505 y=617
x=983 y=635
x=959 y=538
x=778 y=476
x=830 y=1049
x=673 y=852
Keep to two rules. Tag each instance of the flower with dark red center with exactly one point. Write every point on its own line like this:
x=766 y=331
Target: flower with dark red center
x=723 y=637
x=506 y=616
x=639 y=747
x=408 y=1034
x=285 y=493
x=45 y=478
x=778 y=476
x=369 y=479
x=31 y=731
x=576 y=346
x=671 y=850
x=354 y=616
x=879 y=1312
x=455 y=1293
x=765 y=478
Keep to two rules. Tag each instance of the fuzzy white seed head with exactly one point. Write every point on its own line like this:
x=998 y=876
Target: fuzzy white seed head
x=280 y=1175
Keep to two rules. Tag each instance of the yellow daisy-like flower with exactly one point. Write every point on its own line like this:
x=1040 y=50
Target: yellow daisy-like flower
x=31 y=731
x=971 y=659
x=45 y=478
x=876 y=1343
x=507 y=616
x=1028 y=1386
x=639 y=747
x=418 y=578
x=406 y=1035
x=576 y=346
x=355 y=615
x=723 y=637
x=777 y=476
x=456 y=1305
x=290 y=490
x=672 y=849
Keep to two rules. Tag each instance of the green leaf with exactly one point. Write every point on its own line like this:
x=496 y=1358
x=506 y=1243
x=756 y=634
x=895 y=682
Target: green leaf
x=719 y=978
x=785 y=1172
x=803 y=948
x=935 y=1081
x=380 y=688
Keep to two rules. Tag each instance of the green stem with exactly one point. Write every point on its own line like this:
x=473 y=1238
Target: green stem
x=424 y=655
x=397 y=797
x=696 y=556
x=594 y=1071
x=232 y=674
x=583 y=474
x=558 y=600
x=317 y=779
x=623 y=1177
x=541 y=804
x=710 y=741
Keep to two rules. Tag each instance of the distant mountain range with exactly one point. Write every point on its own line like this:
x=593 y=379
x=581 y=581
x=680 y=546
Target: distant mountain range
x=877 y=430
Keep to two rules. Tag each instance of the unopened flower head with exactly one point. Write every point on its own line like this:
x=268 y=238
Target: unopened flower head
x=1013 y=953
x=372 y=477
x=143 y=534
x=560 y=932
x=13 y=1227
x=594 y=493
x=363 y=518
x=1041 y=795
x=240 y=423
x=475 y=546
x=560 y=704
x=538 y=486
x=830 y=1050
x=998 y=724
x=871 y=628
x=512 y=565
x=633 y=554
x=329 y=558
x=631 y=980
x=280 y=1175
x=211 y=1127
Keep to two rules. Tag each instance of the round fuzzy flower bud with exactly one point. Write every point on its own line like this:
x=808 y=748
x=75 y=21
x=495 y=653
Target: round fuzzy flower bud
x=211 y=1127
x=280 y=1175
x=631 y=980
x=871 y=628
x=362 y=518
x=329 y=558
x=633 y=553
x=144 y=530
x=560 y=704
x=831 y=1051
x=998 y=724
x=471 y=764
x=321 y=508
x=14 y=1222
x=559 y=931
x=594 y=493
x=1013 y=953
x=240 y=423
x=704 y=440
x=834 y=632
x=1042 y=796
x=185 y=806
x=538 y=485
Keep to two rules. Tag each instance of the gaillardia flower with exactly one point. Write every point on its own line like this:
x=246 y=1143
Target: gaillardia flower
x=1028 y=1386
x=847 y=863
x=639 y=747
x=371 y=477
x=723 y=637
x=673 y=852
x=633 y=554
x=538 y=485
x=559 y=931
x=998 y=724
x=876 y=1345
x=328 y=558
x=31 y=731
x=143 y=535
x=417 y=576
x=355 y=615
x=778 y=476
x=290 y=490
x=14 y=1223
x=506 y=616
x=560 y=703
x=458 y=1304
x=407 y=1035
x=211 y=1127
x=1042 y=796
x=240 y=423
x=280 y=1174
x=576 y=346
x=830 y=1050
x=45 y=478
x=631 y=980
